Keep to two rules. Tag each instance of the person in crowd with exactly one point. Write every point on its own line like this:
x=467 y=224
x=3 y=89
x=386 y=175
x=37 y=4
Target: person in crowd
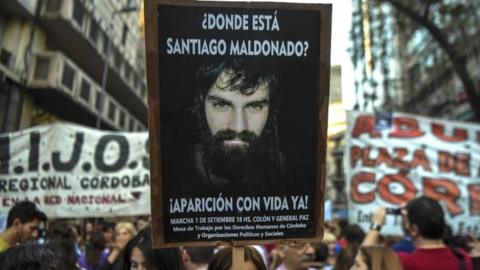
x=31 y=255
x=294 y=256
x=330 y=240
x=124 y=232
x=108 y=230
x=139 y=255
x=353 y=235
x=376 y=258
x=222 y=260
x=423 y=219
x=142 y=222
x=320 y=257
x=61 y=236
x=23 y=221
x=95 y=253
x=345 y=258
x=196 y=258
x=88 y=228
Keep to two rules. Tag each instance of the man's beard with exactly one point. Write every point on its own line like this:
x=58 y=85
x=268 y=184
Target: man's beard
x=234 y=163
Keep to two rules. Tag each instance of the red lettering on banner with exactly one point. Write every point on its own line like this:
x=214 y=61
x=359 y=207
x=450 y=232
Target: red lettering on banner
x=474 y=199
x=420 y=159
x=366 y=158
x=404 y=127
x=384 y=191
x=443 y=190
x=357 y=180
x=398 y=161
x=365 y=124
x=384 y=157
x=459 y=134
x=459 y=163
x=355 y=154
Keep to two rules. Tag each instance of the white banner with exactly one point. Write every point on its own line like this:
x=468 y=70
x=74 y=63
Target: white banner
x=392 y=158
x=74 y=171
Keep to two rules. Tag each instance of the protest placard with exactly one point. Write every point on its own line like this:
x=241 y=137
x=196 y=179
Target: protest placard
x=71 y=171
x=392 y=158
x=238 y=96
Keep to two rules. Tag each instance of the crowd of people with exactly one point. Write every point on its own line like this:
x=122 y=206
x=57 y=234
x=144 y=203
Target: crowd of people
x=99 y=245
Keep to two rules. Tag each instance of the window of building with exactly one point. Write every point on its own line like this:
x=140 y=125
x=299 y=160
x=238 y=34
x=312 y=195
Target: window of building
x=41 y=68
x=78 y=13
x=124 y=34
x=99 y=101
x=68 y=76
x=112 y=109
x=122 y=119
x=85 y=90
x=93 y=34
x=105 y=43
x=131 y=125
x=53 y=5
x=117 y=61
x=6 y=58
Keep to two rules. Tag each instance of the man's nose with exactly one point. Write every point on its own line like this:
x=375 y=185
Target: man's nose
x=239 y=121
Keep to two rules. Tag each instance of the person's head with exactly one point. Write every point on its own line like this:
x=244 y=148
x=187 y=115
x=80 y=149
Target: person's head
x=376 y=258
x=139 y=255
x=297 y=255
x=61 y=236
x=353 y=235
x=87 y=230
x=24 y=220
x=124 y=231
x=107 y=229
x=222 y=260
x=95 y=247
x=141 y=223
x=196 y=257
x=424 y=218
x=30 y=256
x=345 y=258
x=331 y=242
x=236 y=107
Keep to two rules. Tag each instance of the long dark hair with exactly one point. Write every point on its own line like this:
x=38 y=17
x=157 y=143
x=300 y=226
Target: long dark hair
x=94 y=249
x=156 y=259
x=61 y=236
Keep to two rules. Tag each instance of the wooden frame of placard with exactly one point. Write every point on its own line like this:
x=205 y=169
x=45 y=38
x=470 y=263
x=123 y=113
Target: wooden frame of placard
x=153 y=58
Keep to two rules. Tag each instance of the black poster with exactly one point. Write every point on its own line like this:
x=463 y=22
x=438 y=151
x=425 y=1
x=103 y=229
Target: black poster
x=240 y=121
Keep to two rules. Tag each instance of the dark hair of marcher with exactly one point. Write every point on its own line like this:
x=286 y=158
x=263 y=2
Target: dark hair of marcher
x=222 y=260
x=26 y=211
x=345 y=258
x=201 y=255
x=353 y=234
x=321 y=252
x=427 y=214
x=30 y=256
x=61 y=236
x=164 y=258
x=94 y=248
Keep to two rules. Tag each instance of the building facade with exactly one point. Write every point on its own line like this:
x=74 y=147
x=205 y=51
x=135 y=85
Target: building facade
x=401 y=67
x=72 y=60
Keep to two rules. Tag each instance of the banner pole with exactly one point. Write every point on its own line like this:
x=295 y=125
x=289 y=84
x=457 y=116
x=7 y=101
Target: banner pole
x=238 y=258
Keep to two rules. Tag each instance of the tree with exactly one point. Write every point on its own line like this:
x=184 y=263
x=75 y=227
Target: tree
x=442 y=20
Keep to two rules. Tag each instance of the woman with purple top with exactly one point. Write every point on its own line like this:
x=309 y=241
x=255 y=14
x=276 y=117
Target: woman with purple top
x=95 y=253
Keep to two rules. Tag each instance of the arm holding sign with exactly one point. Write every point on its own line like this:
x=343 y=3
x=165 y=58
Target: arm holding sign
x=378 y=220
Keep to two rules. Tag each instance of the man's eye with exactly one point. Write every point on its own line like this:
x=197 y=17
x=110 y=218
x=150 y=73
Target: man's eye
x=255 y=107
x=220 y=106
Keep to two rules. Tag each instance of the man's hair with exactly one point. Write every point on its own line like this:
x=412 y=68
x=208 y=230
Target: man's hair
x=30 y=256
x=26 y=211
x=246 y=75
x=428 y=215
